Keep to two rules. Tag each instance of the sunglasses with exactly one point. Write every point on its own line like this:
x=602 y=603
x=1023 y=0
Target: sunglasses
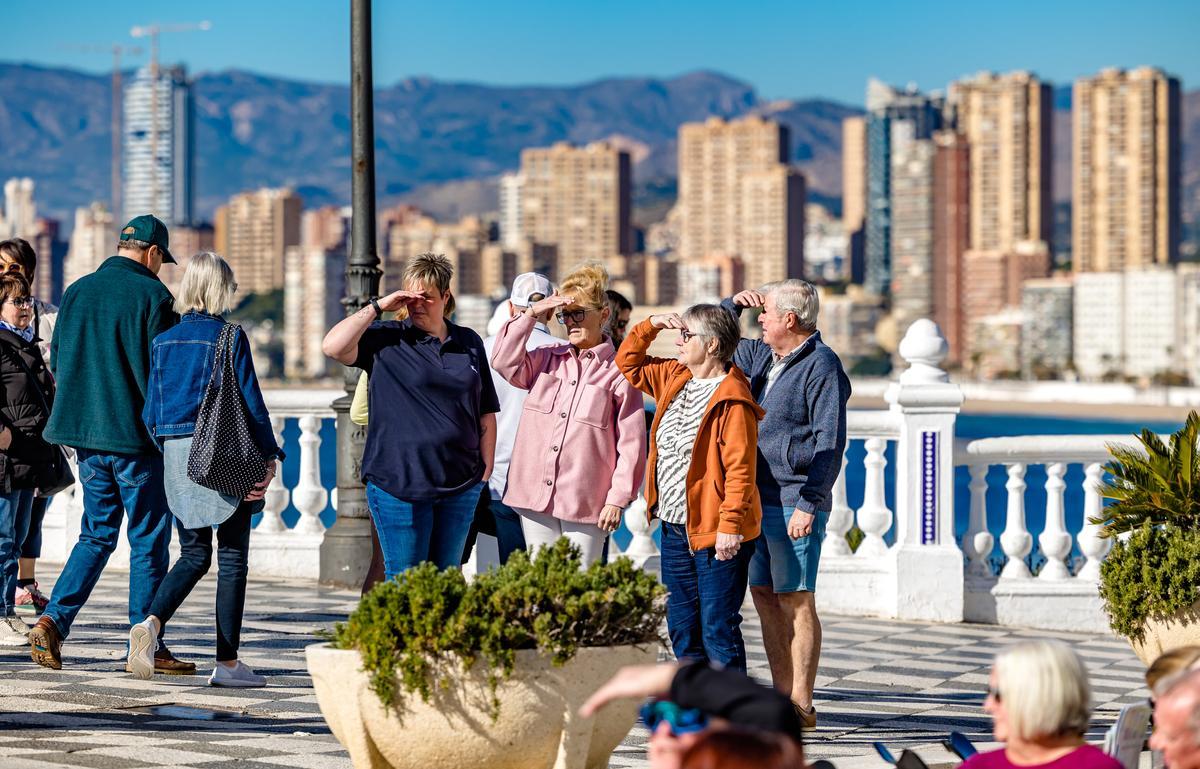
x=22 y=302
x=575 y=316
x=681 y=720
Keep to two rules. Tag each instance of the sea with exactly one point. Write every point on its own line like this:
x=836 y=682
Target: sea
x=968 y=426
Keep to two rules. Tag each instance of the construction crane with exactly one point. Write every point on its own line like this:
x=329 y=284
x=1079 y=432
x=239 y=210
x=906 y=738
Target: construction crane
x=152 y=31
x=117 y=50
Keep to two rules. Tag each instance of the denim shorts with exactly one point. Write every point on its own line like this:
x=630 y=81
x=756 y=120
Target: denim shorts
x=784 y=564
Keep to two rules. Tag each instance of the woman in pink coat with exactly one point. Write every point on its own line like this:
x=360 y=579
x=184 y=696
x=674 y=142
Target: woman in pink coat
x=580 y=449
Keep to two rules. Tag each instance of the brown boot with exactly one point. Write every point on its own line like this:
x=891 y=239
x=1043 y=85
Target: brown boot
x=45 y=644
x=808 y=718
x=166 y=664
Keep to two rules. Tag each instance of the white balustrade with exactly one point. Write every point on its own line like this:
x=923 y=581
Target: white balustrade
x=1054 y=539
x=1091 y=544
x=1016 y=542
x=978 y=541
x=874 y=517
x=641 y=548
x=276 y=499
x=841 y=518
x=310 y=496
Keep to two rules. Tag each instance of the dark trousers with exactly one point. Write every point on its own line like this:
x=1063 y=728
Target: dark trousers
x=32 y=546
x=704 y=599
x=195 y=558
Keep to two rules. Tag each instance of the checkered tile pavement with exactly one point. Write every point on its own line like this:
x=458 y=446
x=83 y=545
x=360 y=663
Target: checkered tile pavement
x=906 y=684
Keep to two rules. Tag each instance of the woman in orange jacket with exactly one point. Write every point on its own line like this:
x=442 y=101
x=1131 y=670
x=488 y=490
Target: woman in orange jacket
x=700 y=476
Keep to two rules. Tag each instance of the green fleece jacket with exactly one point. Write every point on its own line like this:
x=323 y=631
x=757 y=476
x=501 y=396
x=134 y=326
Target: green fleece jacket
x=101 y=357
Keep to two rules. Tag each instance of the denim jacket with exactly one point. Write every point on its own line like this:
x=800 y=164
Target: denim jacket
x=181 y=362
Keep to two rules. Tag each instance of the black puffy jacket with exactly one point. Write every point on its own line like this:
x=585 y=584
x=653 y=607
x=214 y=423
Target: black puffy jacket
x=24 y=410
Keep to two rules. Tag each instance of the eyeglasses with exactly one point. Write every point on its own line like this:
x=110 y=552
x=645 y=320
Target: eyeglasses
x=26 y=301
x=575 y=316
x=994 y=693
x=686 y=336
x=681 y=720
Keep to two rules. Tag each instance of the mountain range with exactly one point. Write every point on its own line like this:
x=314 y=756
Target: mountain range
x=439 y=144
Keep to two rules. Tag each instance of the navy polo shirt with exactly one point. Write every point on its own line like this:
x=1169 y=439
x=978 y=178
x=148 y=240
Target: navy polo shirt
x=426 y=398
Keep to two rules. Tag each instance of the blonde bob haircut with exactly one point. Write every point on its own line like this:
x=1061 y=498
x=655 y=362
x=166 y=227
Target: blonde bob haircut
x=207 y=285
x=587 y=286
x=431 y=270
x=1044 y=689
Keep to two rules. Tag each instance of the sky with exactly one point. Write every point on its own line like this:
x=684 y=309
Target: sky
x=785 y=49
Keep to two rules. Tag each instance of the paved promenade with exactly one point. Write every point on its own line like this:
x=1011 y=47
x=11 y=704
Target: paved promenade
x=906 y=684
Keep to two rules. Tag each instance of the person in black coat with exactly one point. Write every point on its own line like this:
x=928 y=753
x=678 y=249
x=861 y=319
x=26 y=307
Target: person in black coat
x=26 y=459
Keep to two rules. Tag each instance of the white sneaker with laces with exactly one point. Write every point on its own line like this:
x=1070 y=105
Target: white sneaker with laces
x=13 y=631
x=238 y=676
x=143 y=641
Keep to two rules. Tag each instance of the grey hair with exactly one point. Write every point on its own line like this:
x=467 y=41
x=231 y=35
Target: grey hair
x=1185 y=683
x=207 y=285
x=796 y=296
x=132 y=245
x=711 y=322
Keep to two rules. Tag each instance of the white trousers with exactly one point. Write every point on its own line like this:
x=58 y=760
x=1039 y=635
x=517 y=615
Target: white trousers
x=541 y=530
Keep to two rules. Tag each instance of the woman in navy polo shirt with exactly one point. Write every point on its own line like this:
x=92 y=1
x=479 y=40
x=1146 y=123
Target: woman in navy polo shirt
x=432 y=435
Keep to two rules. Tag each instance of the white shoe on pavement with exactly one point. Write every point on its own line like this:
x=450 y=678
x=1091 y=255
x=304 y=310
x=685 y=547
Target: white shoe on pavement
x=143 y=640
x=237 y=676
x=13 y=631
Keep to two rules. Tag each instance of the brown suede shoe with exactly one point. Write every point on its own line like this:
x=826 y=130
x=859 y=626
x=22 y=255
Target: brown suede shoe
x=166 y=664
x=45 y=644
x=808 y=718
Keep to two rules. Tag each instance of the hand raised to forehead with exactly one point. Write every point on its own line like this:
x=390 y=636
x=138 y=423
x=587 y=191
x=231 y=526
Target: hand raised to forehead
x=668 y=320
x=397 y=299
x=544 y=308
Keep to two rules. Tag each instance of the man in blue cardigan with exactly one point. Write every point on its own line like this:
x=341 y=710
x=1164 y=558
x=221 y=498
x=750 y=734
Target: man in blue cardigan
x=800 y=383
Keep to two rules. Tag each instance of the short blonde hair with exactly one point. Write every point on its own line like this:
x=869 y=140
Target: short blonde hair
x=1044 y=688
x=1169 y=665
x=587 y=286
x=207 y=285
x=434 y=271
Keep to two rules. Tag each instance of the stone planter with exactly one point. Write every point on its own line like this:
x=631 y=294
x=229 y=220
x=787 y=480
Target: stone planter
x=1183 y=629
x=537 y=727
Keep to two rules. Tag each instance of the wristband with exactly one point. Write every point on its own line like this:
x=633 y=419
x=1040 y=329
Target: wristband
x=377 y=308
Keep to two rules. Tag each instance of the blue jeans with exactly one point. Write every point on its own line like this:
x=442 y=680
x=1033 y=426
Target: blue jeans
x=115 y=486
x=509 y=537
x=413 y=532
x=704 y=599
x=14 y=525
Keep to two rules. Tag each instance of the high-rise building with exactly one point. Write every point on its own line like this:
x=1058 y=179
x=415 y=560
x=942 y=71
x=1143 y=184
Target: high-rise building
x=951 y=225
x=253 y=232
x=1126 y=166
x=186 y=242
x=912 y=225
x=314 y=282
x=1188 y=275
x=1046 y=304
x=511 y=232
x=886 y=104
x=462 y=243
x=159 y=145
x=578 y=199
x=51 y=253
x=1131 y=323
x=20 y=212
x=1006 y=120
x=93 y=240
x=826 y=247
x=854 y=194
x=738 y=197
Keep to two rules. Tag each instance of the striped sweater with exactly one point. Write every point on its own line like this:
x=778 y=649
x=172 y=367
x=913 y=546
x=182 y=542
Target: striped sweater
x=676 y=436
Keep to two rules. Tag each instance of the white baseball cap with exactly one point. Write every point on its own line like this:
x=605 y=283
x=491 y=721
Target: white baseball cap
x=526 y=285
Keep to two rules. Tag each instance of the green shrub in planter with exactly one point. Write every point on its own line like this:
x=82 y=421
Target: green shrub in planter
x=424 y=624
x=1155 y=571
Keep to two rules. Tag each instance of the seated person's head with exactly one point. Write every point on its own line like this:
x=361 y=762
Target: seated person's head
x=1169 y=664
x=738 y=748
x=1177 y=720
x=1038 y=690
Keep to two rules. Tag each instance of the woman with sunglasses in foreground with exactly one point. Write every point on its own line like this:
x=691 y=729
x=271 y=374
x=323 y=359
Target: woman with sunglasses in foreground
x=580 y=449
x=699 y=716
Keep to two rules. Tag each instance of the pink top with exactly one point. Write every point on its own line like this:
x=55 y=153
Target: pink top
x=1083 y=757
x=581 y=442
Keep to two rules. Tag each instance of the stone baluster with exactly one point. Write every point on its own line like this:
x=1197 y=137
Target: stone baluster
x=978 y=541
x=276 y=500
x=1093 y=546
x=310 y=494
x=641 y=550
x=874 y=517
x=1016 y=540
x=1054 y=539
x=841 y=518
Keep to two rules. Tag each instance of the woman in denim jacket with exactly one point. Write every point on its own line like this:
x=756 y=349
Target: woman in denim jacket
x=181 y=364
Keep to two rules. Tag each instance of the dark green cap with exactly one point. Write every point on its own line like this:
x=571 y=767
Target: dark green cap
x=149 y=229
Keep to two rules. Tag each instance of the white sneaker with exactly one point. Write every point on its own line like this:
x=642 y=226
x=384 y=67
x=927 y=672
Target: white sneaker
x=143 y=641
x=13 y=631
x=238 y=676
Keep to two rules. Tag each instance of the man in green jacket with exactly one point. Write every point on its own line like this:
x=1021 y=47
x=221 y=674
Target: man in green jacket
x=101 y=358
